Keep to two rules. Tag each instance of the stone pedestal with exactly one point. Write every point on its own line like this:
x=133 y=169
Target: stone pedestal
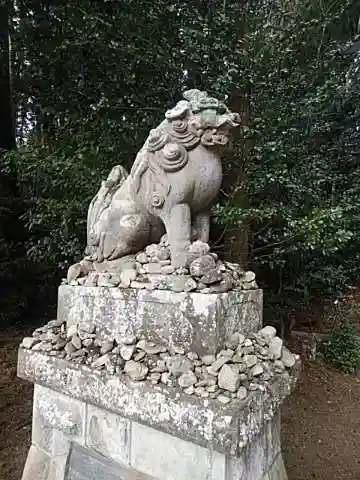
x=92 y=425
x=199 y=322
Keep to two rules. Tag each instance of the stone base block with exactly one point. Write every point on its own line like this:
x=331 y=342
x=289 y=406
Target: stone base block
x=199 y=322
x=204 y=421
x=74 y=440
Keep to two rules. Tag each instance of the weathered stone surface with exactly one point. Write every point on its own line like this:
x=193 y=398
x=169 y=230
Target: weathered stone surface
x=242 y=393
x=187 y=380
x=267 y=333
x=136 y=370
x=142 y=257
x=43 y=347
x=53 y=410
x=70 y=348
x=115 y=446
x=167 y=269
x=275 y=348
x=215 y=367
x=29 y=342
x=127 y=351
x=288 y=358
x=178 y=365
x=200 y=322
x=235 y=340
x=256 y=370
x=162 y=406
x=172 y=457
x=85 y=464
x=153 y=268
x=208 y=359
x=150 y=347
x=159 y=363
x=101 y=361
x=250 y=360
x=248 y=277
x=228 y=353
x=106 y=346
x=224 y=399
x=198 y=249
x=279 y=366
x=72 y=329
x=211 y=276
x=128 y=340
x=74 y=272
x=277 y=470
x=127 y=276
x=229 y=378
x=91 y=280
x=76 y=342
x=200 y=266
x=108 y=434
x=37 y=465
x=183 y=284
x=260 y=455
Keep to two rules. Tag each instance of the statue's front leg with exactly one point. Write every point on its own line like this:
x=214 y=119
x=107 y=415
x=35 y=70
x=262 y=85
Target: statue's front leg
x=178 y=227
x=202 y=226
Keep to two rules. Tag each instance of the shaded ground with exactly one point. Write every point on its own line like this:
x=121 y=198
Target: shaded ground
x=321 y=420
x=15 y=409
x=321 y=426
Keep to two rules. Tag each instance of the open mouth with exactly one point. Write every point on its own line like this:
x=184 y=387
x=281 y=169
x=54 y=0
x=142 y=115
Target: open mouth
x=221 y=139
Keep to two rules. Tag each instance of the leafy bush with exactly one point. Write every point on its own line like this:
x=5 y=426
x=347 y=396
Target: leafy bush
x=341 y=348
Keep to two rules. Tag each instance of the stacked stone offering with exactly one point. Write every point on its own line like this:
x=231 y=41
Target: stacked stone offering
x=243 y=365
x=152 y=269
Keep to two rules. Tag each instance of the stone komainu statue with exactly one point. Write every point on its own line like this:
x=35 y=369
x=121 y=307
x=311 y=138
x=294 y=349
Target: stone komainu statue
x=172 y=185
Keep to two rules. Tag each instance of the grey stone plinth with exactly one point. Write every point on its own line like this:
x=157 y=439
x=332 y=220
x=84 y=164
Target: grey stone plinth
x=95 y=443
x=91 y=424
x=227 y=428
x=199 y=322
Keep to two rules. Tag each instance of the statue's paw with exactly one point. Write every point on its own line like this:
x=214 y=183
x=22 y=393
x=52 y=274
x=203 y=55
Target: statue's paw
x=74 y=272
x=79 y=269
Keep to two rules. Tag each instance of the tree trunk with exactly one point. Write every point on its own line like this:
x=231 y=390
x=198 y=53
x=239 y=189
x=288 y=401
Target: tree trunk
x=236 y=237
x=7 y=124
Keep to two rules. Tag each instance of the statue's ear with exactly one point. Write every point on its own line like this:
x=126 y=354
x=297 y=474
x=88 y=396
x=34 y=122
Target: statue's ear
x=117 y=175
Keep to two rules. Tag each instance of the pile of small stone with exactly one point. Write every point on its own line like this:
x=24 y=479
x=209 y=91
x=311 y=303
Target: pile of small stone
x=152 y=269
x=243 y=365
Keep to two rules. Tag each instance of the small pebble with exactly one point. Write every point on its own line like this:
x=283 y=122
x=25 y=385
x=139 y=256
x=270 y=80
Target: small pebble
x=106 y=347
x=76 y=342
x=241 y=393
x=29 y=342
x=223 y=399
x=69 y=348
x=127 y=351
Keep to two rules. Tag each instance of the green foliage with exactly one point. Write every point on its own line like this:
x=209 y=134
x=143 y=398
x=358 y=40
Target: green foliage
x=94 y=77
x=59 y=179
x=341 y=348
x=301 y=175
x=90 y=92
